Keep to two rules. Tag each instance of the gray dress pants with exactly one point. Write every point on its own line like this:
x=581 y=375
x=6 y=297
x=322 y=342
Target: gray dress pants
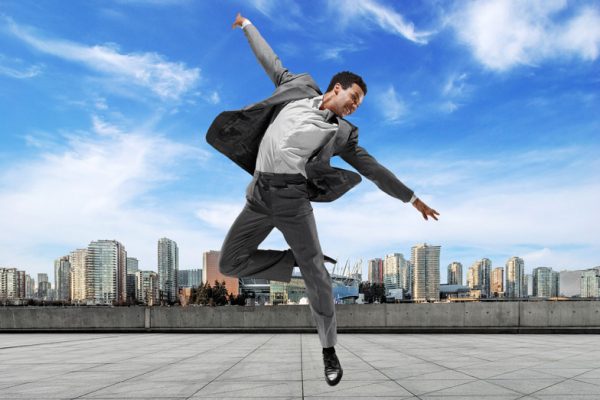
x=281 y=201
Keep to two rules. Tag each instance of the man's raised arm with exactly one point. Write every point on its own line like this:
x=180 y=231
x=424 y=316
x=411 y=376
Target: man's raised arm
x=263 y=52
x=368 y=166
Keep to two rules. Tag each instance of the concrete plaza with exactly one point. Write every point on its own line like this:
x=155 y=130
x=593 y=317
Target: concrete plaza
x=289 y=366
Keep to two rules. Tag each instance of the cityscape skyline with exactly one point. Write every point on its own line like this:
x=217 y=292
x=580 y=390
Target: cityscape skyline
x=376 y=265
x=103 y=125
x=110 y=277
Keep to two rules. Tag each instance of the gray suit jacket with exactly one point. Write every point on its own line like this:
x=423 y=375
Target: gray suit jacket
x=237 y=134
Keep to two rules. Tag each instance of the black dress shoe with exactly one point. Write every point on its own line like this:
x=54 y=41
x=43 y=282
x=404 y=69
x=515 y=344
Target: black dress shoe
x=333 y=369
x=328 y=259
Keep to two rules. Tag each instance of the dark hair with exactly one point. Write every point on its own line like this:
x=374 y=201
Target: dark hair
x=346 y=79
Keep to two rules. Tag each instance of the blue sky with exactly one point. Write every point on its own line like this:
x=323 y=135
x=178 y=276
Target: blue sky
x=489 y=110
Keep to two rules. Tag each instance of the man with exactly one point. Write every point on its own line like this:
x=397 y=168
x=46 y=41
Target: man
x=286 y=142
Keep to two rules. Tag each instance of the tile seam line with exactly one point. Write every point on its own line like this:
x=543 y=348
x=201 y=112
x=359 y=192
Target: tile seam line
x=439 y=365
x=63 y=341
x=147 y=372
x=557 y=383
x=239 y=361
x=377 y=369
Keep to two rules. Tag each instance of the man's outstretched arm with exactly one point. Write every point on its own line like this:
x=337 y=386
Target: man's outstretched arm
x=263 y=52
x=369 y=167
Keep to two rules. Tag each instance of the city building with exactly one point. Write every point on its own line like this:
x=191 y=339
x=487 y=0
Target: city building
x=479 y=277
x=62 y=278
x=190 y=278
x=168 y=267
x=515 y=278
x=29 y=287
x=106 y=272
x=211 y=273
x=132 y=268
x=79 y=287
x=44 y=287
x=590 y=283
x=392 y=267
x=455 y=273
x=406 y=274
x=344 y=289
x=146 y=287
x=375 y=270
x=528 y=285
x=9 y=284
x=452 y=292
x=426 y=272
x=545 y=282
x=570 y=283
x=497 y=282
x=256 y=289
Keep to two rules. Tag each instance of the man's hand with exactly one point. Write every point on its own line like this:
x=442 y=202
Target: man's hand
x=425 y=209
x=239 y=20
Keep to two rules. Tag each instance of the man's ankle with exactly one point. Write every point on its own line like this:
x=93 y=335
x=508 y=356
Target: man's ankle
x=328 y=350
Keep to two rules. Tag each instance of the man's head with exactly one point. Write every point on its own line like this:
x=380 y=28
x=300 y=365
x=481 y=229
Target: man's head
x=344 y=93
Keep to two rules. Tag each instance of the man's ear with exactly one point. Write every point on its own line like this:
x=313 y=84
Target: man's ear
x=337 y=88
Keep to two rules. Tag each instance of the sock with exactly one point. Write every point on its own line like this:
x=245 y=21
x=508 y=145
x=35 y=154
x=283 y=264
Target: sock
x=328 y=350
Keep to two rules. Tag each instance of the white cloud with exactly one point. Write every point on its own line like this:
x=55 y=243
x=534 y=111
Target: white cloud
x=15 y=68
x=506 y=33
x=168 y=80
x=97 y=185
x=486 y=208
x=454 y=90
x=391 y=105
x=383 y=16
x=334 y=52
x=286 y=14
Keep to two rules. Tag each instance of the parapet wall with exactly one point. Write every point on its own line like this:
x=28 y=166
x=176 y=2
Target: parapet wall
x=484 y=317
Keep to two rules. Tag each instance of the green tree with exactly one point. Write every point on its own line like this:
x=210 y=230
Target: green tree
x=220 y=293
x=204 y=294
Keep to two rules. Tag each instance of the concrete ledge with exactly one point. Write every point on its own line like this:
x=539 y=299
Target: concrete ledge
x=477 y=317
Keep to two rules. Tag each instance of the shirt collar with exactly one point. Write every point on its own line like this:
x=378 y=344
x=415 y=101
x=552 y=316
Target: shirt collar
x=329 y=115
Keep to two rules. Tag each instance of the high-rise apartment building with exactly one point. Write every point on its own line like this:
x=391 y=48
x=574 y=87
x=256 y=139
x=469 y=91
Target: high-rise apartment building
x=29 y=287
x=211 y=273
x=146 y=287
x=106 y=271
x=190 y=278
x=79 y=287
x=393 y=264
x=62 y=278
x=44 y=288
x=570 y=283
x=590 y=283
x=426 y=272
x=375 y=270
x=168 y=266
x=515 y=278
x=9 y=284
x=406 y=274
x=479 y=277
x=545 y=282
x=455 y=273
x=497 y=282
x=132 y=269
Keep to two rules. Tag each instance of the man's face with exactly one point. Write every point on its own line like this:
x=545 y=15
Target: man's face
x=345 y=101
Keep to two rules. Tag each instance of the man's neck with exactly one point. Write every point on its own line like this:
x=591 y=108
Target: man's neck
x=326 y=98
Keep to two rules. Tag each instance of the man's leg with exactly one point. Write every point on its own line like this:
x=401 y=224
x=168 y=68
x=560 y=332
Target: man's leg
x=240 y=255
x=295 y=219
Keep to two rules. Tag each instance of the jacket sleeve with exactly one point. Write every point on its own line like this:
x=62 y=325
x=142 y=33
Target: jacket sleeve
x=267 y=57
x=368 y=166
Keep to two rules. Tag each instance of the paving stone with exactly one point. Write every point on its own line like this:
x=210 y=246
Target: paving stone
x=290 y=366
